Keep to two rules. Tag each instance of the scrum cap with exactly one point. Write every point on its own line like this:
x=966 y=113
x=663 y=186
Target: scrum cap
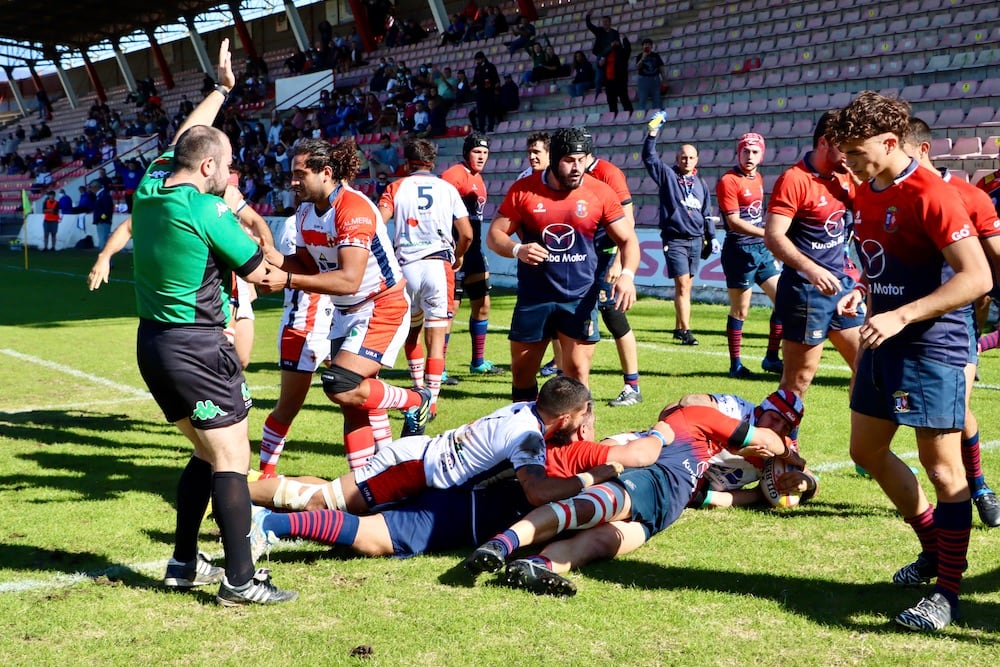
x=570 y=140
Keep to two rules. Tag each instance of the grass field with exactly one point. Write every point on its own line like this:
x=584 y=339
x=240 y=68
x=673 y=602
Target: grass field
x=89 y=470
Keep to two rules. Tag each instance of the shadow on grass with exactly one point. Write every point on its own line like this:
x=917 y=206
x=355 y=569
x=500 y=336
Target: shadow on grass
x=823 y=601
x=72 y=563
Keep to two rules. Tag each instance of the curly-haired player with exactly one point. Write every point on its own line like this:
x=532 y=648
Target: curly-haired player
x=343 y=249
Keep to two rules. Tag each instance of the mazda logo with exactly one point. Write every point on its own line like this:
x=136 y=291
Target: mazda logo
x=873 y=258
x=559 y=237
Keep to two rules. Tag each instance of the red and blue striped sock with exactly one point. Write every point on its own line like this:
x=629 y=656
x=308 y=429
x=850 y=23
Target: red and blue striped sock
x=954 y=524
x=923 y=525
x=973 y=464
x=477 y=330
x=324 y=526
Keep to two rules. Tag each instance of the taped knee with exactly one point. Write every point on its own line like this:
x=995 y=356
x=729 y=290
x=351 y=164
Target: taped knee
x=478 y=289
x=615 y=320
x=337 y=380
x=293 y=495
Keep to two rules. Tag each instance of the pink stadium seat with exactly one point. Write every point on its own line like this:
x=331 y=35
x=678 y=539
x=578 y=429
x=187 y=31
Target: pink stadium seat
x=803 y=127
x=966 y=147
x=938 y=91
x=704 y=132
x=940 y=146
x=762 y=127
x=965 y=88
x=787 y=155
x=959 y=173
x=980 y=116
x=991 y=146
x=929 y=116
x=706 y=156
x=912 y=93
x=781 y=128
x=951 y=117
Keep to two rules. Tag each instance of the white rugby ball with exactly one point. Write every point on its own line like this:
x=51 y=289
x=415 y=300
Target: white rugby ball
x=774 y=468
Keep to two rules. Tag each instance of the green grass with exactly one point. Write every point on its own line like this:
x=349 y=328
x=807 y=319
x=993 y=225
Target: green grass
x=89 y=469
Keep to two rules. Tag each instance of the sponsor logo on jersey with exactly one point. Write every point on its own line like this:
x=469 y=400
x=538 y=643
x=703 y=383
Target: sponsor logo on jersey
x=204 y=410
x=964 y=232
x=559 y=237
x=221 y=208
x=834 y=224
x=888 y=289
x=539 y=208
x=873 y=258
x=822 y=201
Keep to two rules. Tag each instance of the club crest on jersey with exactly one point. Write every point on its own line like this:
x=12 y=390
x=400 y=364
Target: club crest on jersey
x=901 y=402
x=822 y=201
x=539 y=207
x=891 y=223
x=581 y=209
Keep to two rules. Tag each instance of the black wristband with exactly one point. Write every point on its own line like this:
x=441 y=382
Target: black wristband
x=288 y=281
x=222 y=89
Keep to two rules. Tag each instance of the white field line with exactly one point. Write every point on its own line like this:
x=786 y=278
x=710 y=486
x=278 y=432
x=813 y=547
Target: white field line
x=62 y=368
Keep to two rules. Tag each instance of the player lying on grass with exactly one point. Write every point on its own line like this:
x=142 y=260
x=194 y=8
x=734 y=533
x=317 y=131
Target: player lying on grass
x=438 y=519
x=626 y=512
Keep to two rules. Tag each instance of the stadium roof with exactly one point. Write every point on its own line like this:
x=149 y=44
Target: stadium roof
x=31 y=33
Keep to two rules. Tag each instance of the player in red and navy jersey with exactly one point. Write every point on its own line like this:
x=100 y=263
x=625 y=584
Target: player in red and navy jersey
x=809 y=223
x=467 y=177
x=343 y=249
x=923 y=263
x=556 y=214
x=641 y=502
x=917 y=145
x=745 y=258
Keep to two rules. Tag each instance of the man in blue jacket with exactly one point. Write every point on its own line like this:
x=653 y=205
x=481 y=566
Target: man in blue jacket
x=685 y=225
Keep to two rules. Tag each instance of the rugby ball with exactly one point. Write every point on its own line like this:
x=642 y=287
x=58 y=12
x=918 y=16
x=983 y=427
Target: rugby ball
x=774 y=468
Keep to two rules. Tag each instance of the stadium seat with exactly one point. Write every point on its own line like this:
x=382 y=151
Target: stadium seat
x=951 y=117
x=981 y=116
x=940 y=147
x=959 y=173
x=979 y=175
x=991 y=146
x=787 y=155
x=937 y=91
x=966 y=147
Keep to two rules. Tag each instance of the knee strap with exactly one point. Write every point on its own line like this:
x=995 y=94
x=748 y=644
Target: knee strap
x=337 y=380
x=606 y=499
x=615 y=320
x=478 y=289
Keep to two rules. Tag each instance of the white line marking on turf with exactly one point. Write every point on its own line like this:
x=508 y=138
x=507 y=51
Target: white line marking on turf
x=62 y=368
x=76 y=406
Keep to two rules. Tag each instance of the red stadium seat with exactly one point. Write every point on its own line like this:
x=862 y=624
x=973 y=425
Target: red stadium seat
x=966 y=147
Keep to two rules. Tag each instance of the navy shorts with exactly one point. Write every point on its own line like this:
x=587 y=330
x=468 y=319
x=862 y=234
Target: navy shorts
x=909 y=389
x=808 y=315
x=649 y=490
x=474 y=261
x=535 y=322
x=451 y=519
x=970 y=318
x=682 y=256
x=745 y=265
x=193 y=372
x=50 y=227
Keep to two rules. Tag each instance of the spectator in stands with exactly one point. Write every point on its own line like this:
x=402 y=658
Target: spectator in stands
x=85 y=201
x=421 y=119
x=104 y=210
x=455 y=30
x=50 y=220
x=604 y=38
x=44 y=112
x=485 y=82
x=381 y=183
x=493 y=22
x=384 y=160
x=131 y=173
x=616 y=75
x=412 y=32
x=295 y=64
x=549 y=66
x=509 y=97
x=463 y=88
x=438 y=113
x=446 y=85
x=524 y=33
x=649 y=70
x=43 y=179
x=583 y=75
x=65 y=202
x=380 y=77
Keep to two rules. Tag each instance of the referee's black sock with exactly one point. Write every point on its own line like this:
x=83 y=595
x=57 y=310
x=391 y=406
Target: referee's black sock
x=231 y=508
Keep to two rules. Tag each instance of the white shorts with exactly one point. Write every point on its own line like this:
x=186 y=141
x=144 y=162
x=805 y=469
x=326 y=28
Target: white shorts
x=430 y=284
x=376 y=329
x=304 y=337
